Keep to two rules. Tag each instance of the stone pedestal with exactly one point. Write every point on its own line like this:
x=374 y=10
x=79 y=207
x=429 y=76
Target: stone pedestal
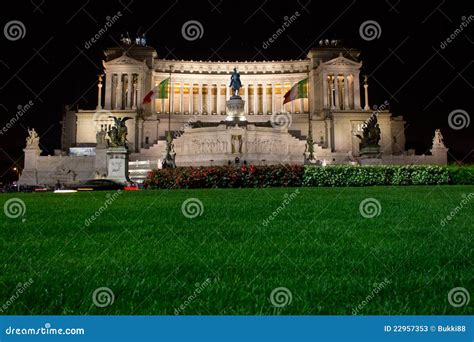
x=100 y=162
x=370 y=155
x=440 y=155
x=439 y=150
x=29 y=176
x=371 y=161
x=235 y=109
x=371 y=152
x=117 y=164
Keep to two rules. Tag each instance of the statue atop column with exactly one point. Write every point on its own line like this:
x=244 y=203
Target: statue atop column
x=235 y=83
x=235 y=105
x=438 y=141
x=32 y=140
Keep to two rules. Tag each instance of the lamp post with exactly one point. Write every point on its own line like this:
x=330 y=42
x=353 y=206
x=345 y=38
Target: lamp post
x=17 y=171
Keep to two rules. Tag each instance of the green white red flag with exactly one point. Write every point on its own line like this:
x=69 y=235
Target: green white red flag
x=298 y=91
x=160 y=91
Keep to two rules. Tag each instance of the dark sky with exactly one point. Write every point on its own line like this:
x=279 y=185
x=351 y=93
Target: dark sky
x=408 y=68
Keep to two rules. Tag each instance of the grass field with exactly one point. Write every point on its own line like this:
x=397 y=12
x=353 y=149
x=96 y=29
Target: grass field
x=245 y=244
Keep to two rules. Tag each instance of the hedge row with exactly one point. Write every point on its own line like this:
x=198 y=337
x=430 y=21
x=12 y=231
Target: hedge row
x=295 y=176
x=375 y=175
x=226 y=177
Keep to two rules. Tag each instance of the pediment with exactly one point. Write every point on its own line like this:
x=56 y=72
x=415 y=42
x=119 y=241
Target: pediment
x=342 y=61
x=124 y=60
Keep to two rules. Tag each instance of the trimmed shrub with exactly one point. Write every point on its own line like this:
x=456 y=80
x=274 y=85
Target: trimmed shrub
x=345 y=175
x=461 y=174
x=226 y=177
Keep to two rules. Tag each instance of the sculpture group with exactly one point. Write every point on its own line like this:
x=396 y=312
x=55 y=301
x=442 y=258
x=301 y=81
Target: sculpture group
x=118 y=133
x=370 y=133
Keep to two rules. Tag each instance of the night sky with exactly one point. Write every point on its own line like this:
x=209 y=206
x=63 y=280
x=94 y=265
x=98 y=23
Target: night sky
x=50 y=65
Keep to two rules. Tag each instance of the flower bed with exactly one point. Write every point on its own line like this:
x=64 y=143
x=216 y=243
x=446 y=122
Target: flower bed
x=226 y=177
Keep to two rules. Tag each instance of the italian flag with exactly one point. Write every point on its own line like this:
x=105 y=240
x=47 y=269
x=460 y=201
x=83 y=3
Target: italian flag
x=298 y=91
x=160 y=91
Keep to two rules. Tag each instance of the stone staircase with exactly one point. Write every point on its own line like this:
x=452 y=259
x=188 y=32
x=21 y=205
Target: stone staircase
x=138 y=170
x=297 y=134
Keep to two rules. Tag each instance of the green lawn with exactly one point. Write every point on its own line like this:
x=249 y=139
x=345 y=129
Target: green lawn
x=154 y=259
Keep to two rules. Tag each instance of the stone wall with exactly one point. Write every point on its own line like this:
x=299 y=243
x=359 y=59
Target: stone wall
x=65 y=169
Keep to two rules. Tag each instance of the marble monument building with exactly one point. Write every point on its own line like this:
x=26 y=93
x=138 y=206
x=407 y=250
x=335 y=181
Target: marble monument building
x=271 y=132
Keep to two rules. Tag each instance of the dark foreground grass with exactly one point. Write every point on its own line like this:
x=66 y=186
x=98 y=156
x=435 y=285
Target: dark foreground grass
x=157 y=261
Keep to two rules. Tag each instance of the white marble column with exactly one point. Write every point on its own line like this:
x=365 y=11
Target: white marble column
x=336 y=91
x=119 y=92
x=255 y=98
x=246 y=99
x=357 y=92
x=181 y=97
x=273 y=98
x=108 y=91
x=302 y=105
x=325 y=90
x=218 y=99
x=346 y=92
x=164 y=102
x=191 y=98
x=129 y=90
x=135 y=92
x=113 y=91
x=200 y=98
x=99 y=96
x=227 y=92
x=366 y=93
x=139 y=90
x=264 y=98
x=209 y=99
